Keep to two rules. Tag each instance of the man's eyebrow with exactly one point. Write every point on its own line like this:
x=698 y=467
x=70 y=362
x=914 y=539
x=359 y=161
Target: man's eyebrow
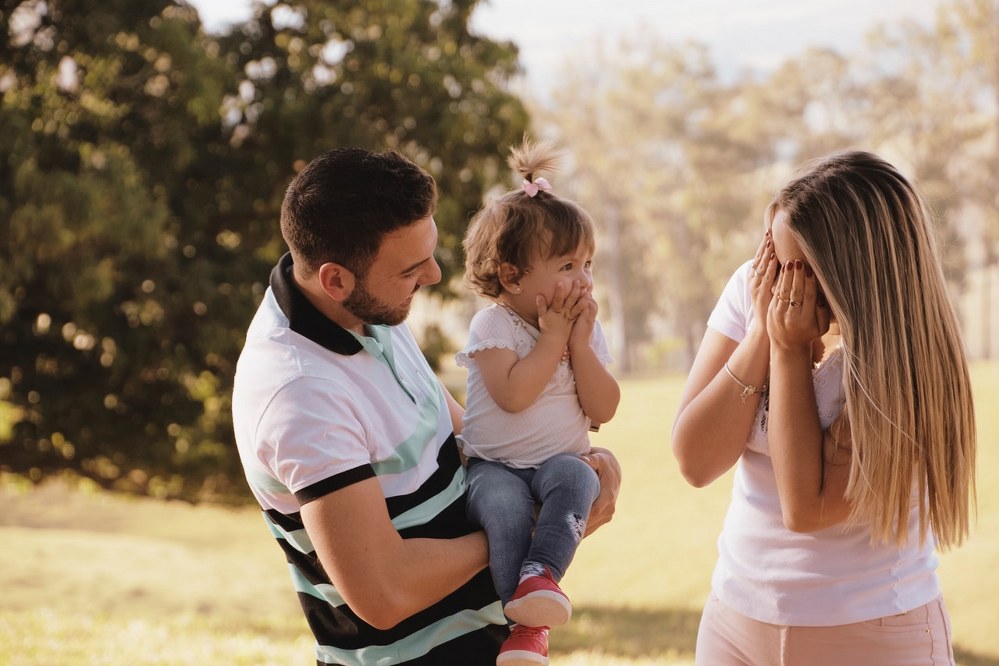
x=413 y=267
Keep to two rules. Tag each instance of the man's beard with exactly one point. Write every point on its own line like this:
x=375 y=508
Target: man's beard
x=363 y=305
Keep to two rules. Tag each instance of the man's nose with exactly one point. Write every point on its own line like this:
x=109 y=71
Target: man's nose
x=433 y=273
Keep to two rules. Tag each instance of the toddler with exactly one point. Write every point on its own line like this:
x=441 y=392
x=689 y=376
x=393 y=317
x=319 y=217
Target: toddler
x=537 y=383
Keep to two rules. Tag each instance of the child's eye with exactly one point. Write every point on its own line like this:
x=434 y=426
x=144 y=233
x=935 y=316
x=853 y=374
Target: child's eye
x=567 y=267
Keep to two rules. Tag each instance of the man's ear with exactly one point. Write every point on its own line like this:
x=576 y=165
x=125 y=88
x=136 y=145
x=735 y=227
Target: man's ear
x=509 y=277
x=336 y=280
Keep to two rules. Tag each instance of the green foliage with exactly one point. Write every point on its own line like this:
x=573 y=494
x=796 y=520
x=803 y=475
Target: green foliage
x=142 y=165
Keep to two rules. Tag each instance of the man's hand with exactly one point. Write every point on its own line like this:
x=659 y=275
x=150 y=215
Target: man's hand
x=608 y=471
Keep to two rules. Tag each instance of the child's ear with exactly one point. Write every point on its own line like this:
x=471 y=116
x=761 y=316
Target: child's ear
x=509 y=277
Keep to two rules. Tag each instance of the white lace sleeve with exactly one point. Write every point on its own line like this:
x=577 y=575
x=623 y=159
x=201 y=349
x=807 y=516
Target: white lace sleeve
x=491 y=328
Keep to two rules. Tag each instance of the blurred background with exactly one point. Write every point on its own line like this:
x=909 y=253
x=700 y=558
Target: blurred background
x=145 y=146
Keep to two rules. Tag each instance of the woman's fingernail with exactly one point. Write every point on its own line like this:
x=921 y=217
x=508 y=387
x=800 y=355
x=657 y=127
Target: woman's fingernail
x=808 y=270
x=790 y=265
x=797 y=264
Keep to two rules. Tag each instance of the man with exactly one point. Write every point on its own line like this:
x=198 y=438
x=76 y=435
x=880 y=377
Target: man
x=347 y=437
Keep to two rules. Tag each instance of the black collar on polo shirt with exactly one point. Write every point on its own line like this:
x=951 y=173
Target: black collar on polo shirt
x=304 y=318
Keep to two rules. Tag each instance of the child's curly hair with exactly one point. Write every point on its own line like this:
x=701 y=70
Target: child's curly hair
x=518 y=227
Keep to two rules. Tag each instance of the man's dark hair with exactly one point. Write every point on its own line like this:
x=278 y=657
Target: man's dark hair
x=344 y=202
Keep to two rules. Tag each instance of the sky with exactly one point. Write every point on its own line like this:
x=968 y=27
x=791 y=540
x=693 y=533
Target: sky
x=741 y=34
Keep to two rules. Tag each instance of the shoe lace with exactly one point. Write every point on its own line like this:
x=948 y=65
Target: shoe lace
x=527 y=632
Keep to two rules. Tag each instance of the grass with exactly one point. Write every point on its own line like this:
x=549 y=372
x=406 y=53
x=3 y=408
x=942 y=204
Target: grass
x=93 y=579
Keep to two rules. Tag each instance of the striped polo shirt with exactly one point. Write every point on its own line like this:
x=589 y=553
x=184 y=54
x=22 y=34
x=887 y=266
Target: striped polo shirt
x=317 y=408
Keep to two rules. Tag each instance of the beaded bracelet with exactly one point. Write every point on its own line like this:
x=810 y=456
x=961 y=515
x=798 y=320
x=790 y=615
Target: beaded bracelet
x=747 y=389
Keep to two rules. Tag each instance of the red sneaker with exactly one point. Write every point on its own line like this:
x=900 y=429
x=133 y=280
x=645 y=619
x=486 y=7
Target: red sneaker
x=526 y=646
x=539 y=602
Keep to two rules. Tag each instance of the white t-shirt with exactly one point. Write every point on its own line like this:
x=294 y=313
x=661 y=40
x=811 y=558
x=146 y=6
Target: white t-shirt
x=554 y=424
x=317 y=408
x=830 y=577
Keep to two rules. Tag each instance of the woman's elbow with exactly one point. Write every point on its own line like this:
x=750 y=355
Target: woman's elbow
x=696 y=477
x=695 y=474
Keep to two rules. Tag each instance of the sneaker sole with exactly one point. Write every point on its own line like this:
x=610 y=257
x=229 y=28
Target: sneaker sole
x=521 y=658
x=539 y=609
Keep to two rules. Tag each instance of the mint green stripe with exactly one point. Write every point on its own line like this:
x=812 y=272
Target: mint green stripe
x=418 y=644
x=408 y=453
x=426 y=511
x=323 y=591
x=383 y=334
x=261 y=479
x=297 y=538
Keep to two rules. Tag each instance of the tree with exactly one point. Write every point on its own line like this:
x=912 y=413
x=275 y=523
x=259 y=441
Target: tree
x=402 y=74
x=143 y=167
x=102 y=121
x=969 y=32
x=663 y=159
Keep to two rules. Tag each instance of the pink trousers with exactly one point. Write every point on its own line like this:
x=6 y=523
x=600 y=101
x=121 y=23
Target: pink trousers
x=919 y=637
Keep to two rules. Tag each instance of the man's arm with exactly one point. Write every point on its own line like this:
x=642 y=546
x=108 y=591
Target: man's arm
x=454 y=408
x=608 y=470
x=383 y=577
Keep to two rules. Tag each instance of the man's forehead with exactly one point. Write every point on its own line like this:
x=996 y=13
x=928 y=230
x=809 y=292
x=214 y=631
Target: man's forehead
x=406 y=248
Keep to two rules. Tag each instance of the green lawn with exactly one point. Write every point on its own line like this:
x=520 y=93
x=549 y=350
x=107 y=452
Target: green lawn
x=88 y=578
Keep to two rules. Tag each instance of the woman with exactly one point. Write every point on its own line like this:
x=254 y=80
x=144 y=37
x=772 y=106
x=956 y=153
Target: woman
x=833 y=372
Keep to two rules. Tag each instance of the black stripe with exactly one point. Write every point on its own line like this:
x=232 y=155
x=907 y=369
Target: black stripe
x=341 y=627
x=288 y=522
x=449 y=523
x=448 y=463
x=476 y=648
x=307 y=563
x=338 y=626
x=333 y=483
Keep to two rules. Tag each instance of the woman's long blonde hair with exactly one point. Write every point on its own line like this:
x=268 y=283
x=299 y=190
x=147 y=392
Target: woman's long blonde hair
x=866 y=233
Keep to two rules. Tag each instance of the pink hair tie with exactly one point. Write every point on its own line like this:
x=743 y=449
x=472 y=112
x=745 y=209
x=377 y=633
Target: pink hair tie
x=533 y=188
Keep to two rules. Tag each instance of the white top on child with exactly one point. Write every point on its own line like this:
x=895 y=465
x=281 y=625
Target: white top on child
x=554 y=424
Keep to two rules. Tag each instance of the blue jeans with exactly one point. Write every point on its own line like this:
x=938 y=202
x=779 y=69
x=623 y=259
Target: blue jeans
x=502 y=500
